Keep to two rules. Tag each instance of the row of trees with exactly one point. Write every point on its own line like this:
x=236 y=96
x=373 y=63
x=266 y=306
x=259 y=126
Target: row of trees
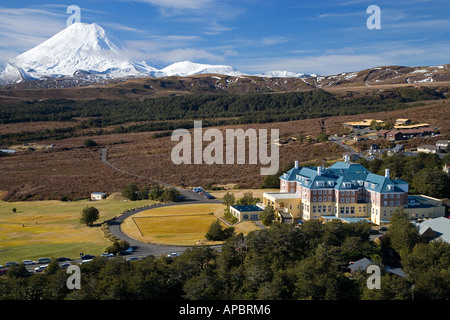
x=423 y=172
x=156 y=192
x=282 y=262
x=214 y=109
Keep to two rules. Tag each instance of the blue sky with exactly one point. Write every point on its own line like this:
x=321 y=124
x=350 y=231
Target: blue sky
x=321 y=36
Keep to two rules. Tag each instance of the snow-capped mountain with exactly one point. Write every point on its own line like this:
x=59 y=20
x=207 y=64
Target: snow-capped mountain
x=80 y=48
x=84 y=52
x=187 y=68
x=284 y=74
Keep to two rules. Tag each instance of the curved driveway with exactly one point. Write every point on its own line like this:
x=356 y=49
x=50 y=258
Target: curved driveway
x=145 y=249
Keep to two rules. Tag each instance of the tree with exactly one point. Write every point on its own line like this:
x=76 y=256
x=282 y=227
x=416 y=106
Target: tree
x=89 y=215
x=117 y=246
x=89 y=143
x=217 y=233
x=143 y=193
x=432 y=182
x=155 y=192
x=131 y=192
x=267 y=215
x=228 y=199
x=52 y=267
x=247 y=199
x=402 y=234
x=169 y=195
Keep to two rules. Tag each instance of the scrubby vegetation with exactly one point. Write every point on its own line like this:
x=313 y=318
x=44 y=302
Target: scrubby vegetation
x=282 y=262
x=170 y=113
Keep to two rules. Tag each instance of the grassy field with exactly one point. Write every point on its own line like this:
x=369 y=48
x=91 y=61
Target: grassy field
x=52 y=228
x=179 y=225
x=176 y=225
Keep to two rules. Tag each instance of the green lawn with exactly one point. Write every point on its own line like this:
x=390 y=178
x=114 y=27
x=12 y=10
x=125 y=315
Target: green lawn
x=174 y=225
x=52 y=228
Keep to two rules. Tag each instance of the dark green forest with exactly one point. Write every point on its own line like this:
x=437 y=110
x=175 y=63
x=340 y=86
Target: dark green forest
x=169 y=113
x=283 y=262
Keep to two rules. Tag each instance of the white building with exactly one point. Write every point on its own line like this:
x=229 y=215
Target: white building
x=98 y=196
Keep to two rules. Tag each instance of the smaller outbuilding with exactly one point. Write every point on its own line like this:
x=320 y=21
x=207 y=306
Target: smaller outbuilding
x=95 y=196
x=246 y=212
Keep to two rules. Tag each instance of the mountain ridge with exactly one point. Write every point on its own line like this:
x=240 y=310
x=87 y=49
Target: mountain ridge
x=82 y=55
x=85 y=51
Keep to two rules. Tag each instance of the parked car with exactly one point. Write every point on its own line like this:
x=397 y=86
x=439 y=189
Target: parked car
x=197 y=189
x=173 y=254
x=28 y=262
x=44 y=260
x=40 y=268
x=86 y=261
x=132 y=259
x=65 y=265
x=62 y=259
x=107 y=254
x=124 y=253
x=87 y=257
x=11 y=264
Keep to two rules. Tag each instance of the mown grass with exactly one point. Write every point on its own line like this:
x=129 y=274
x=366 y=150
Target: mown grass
x=52 y=228
x=175 y=225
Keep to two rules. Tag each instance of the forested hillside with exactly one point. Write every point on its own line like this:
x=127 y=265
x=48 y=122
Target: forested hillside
x=169 y=113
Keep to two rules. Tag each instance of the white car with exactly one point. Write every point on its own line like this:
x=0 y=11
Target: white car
x=28 y=262
x=107 y=254
x=40 y=268
x=173 y=254
x=86 y=261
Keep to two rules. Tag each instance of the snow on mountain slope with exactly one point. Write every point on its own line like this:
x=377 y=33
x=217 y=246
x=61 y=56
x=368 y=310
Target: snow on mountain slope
x=284 y=74
x=9 y=74
x=83 y=51
x=79 y=47
x=187 y=68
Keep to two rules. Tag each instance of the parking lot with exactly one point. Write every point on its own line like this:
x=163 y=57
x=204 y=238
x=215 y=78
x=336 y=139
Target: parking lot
x=39 y=265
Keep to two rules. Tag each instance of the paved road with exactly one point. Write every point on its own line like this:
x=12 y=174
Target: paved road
x=144 y=249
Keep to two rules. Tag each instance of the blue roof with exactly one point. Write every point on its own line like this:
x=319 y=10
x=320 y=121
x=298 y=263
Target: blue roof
x=342 y=175
x=247 y=208
x=345 y=167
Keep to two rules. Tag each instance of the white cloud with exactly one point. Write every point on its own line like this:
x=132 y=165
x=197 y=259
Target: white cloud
x=191 y=54
x=274 y=40
x=22 y=29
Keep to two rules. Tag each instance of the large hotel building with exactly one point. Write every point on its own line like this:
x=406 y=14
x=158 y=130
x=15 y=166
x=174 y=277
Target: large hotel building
x=346 y=191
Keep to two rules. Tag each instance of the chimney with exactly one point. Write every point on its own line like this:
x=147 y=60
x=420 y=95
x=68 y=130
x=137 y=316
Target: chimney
x=386 y=173
x=319 y=171
x=296 y=164
x=346 y=158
